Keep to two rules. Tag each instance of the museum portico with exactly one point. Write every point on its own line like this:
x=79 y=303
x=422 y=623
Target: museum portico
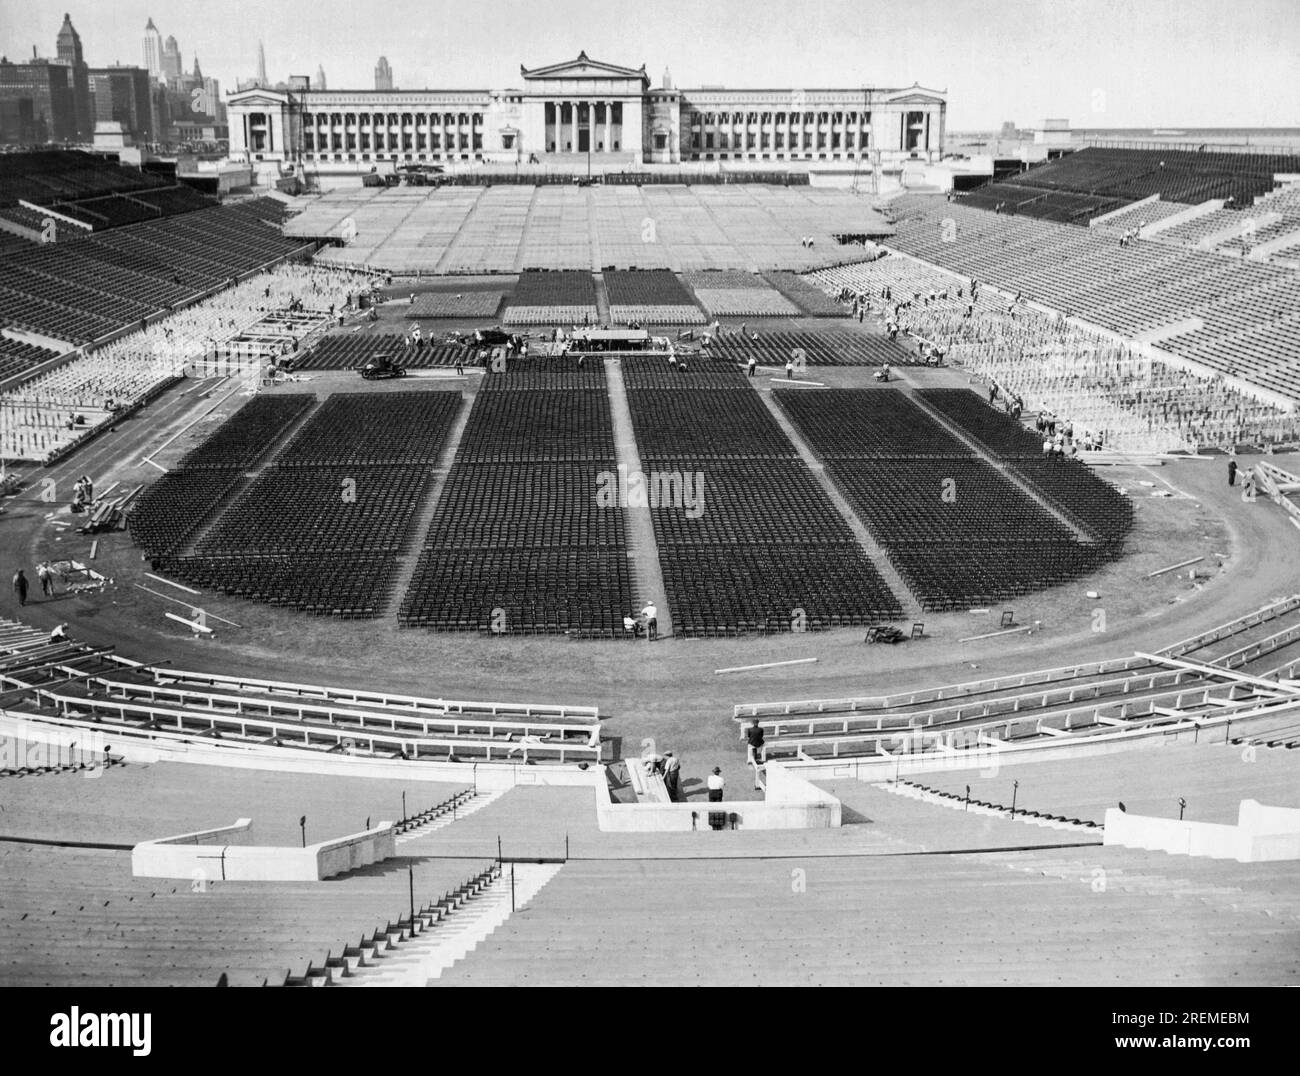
x=583 y=107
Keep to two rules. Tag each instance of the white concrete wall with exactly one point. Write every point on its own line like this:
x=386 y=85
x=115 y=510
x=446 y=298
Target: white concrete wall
x=190 y=855
x=1261 y=834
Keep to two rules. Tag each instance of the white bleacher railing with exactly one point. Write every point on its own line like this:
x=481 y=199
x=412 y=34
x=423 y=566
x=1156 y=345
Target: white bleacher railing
x=1242 y=623
x=162 y=720
x=385 y=698
x=746 y=711
x=408 y=721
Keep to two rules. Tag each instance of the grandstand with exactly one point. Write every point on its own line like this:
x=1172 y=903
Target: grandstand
x=471 y=771
x=1096 y=181
x=1224 y=315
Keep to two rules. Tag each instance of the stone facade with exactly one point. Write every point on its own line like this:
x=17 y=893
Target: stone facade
x=583 y=108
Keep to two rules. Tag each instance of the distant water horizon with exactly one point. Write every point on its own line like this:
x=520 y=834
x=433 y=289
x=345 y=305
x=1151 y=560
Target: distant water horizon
x=1230 y=139
x=1254 y=134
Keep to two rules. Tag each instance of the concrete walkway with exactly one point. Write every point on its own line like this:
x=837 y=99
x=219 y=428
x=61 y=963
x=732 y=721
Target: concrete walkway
x=642 y=548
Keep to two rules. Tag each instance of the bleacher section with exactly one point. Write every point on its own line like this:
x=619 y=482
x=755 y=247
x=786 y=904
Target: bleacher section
x=77 y=918
x=1132 y=402
x=1249 y=326
x=83 y=288
x=165 y=707
x=230 y=332
x=1000 y=918
x=1043 y=707
x=763 y=549
x=1096 y=180
x=48 y=176
x=519 y=542
x=960 y=532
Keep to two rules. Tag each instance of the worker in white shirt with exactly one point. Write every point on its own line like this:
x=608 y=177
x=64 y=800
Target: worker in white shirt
x=715 y=785
x=650 y=614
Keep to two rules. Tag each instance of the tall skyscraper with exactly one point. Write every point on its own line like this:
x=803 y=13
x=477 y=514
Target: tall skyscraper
x=320 y=78
x=123 y=95
x=68 y=45
x=171 y=60
x=153 y=50
x=49 y=112
x=383 y=74
x=262 y=80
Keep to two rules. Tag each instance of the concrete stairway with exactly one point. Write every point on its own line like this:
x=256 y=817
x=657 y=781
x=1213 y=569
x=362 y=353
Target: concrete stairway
x=429 y=953
x=473 y=804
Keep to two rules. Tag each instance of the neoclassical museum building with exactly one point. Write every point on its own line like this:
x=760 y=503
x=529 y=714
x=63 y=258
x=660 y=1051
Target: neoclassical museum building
x=582 y=108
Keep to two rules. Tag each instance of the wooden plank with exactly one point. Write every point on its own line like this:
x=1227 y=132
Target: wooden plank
x=765 y=665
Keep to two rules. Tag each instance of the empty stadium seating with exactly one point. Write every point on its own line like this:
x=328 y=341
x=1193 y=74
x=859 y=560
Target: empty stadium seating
x=242 y=439
x=837 y=347
x=351 y=352
x=1143 y=287
x=321 y=529
x=1134 y=402
x=639 y=223
x=519 y=542
x=959 y=531
x=652 y=296
x=553 y=298
x=1095 y=180
x=760 y=548
x=48 y=289
x=45 y=176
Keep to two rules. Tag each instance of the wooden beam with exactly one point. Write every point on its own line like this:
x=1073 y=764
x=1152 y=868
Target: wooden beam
x=765 y=665
x=1175 y=567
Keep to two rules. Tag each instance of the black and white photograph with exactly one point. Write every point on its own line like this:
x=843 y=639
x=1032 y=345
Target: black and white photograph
x=664 y=494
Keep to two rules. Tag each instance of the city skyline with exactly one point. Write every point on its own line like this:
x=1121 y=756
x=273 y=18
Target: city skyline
x=1099 y=64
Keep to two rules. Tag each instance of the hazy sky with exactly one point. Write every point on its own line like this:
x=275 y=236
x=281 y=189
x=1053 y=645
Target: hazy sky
x=1099 y=63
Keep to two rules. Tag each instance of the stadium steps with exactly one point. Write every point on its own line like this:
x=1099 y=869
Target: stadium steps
x=642 y=547
x=444 y=814
x=440 y=943
x=374 y=949
x=445 y=262
x=924 y=794
x=409 y=558
x=897 y=586
x=246 y=479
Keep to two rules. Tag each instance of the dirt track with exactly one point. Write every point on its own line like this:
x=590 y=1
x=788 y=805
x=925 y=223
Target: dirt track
x=667 y=690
